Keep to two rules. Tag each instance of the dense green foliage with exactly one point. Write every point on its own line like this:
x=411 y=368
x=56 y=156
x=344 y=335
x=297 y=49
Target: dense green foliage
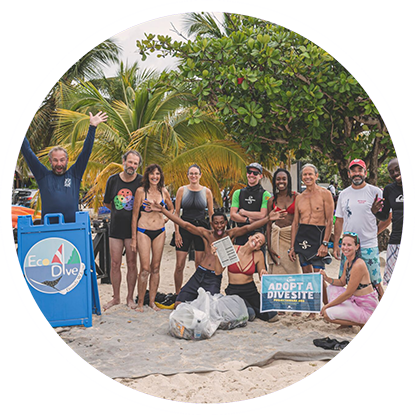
x=277 y=93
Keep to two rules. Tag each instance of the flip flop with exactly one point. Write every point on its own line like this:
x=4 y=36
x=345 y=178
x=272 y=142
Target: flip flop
x=330 y=344
x=341 y=345
x=325 y=343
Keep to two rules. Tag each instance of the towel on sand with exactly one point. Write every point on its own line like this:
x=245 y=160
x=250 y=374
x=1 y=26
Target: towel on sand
x=125 y=344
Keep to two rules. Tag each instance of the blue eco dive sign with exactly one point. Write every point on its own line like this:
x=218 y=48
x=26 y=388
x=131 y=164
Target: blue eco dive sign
x=53 y=266
x=57 y=260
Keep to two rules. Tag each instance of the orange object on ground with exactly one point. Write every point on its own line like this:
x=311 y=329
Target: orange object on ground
x=21 y=211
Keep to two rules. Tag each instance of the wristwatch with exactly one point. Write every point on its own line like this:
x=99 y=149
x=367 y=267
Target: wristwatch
x=325 y=243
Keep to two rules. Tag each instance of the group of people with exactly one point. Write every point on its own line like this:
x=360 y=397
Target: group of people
x=296 y=228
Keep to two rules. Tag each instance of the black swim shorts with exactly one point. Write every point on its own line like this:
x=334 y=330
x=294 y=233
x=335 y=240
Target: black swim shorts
x=202 y=277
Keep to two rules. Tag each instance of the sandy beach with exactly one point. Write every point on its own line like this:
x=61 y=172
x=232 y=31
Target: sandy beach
x=231 y=383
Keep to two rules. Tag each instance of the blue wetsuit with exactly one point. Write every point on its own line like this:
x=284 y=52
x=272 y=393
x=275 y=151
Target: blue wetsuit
x=60 y=194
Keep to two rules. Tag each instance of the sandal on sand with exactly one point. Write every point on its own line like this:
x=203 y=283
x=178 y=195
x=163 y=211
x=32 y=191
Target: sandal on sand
x=167 y=302
x=330 y=344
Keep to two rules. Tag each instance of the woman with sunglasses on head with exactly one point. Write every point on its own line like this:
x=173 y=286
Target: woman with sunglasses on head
x=148 y=232
x=354 y=304
x=193 y=199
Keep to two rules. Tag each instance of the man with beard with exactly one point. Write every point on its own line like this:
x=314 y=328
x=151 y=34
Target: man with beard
x=249 y=204
x=59 y=187
x=119 y=198
x=354 y=214
x=392 y=200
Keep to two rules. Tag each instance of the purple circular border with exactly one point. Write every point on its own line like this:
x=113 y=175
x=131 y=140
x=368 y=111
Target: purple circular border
x=97 y=38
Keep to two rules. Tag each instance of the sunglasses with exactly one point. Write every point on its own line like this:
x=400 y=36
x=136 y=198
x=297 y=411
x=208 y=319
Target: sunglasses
x=255 y=173
x=351 y=234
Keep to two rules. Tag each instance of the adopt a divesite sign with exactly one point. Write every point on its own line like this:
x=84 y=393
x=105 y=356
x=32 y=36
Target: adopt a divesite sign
x=292 y=292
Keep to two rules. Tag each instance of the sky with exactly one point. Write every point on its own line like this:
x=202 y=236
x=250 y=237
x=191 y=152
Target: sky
x=162 y=26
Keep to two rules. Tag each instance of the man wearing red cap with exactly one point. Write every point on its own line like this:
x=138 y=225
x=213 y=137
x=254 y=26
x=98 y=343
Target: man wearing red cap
x=354 y=214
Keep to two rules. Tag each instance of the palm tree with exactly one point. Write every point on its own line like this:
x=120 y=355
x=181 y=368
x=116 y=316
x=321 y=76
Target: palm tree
x=41 y=130
x=208 y=24
x=163 y=125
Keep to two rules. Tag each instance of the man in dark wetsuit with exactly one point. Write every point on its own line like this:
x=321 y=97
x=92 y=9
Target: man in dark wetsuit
x=205 y=275
x=119 y=198
x=250 y=203
x=392 y=200
x=59 y=187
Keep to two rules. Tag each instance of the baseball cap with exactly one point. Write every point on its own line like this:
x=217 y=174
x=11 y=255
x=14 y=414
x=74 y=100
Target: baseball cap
x=357 y=162
x=255 y=166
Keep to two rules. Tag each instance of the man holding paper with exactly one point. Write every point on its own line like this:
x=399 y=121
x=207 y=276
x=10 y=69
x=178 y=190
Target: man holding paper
x=205 y=275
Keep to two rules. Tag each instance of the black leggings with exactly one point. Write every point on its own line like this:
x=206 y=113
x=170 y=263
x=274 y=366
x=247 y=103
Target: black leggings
x=249 y=293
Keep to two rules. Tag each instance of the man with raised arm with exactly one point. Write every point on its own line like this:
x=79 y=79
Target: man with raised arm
x=59 y=187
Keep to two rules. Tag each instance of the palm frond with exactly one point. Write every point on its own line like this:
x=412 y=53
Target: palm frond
x=203 y=24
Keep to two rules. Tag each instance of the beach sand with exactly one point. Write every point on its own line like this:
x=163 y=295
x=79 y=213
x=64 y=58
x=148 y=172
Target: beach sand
x=231 y=384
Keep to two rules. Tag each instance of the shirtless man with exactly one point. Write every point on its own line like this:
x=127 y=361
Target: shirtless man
x=241 y=276
x=312 y=224
x=205 y=276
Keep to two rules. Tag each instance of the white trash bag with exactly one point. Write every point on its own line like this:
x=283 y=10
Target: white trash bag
x=193 y=321
x=200 y=318
x=230 y=310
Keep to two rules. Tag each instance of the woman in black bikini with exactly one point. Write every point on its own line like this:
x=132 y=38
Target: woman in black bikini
x=354 y=304
x=148 y=232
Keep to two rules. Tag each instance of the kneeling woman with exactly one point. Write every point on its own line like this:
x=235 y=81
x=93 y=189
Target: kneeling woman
x=148 y=232
x=354 y=304
x=241 y=276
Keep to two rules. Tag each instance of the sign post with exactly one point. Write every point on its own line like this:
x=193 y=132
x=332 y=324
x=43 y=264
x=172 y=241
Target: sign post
x=292 y=292
x=58 y=264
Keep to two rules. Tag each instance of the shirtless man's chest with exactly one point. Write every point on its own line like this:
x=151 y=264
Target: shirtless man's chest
x=209 y=259
x=311 y=208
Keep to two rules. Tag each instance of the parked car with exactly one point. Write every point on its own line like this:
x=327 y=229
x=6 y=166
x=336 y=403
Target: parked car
x=24 y=197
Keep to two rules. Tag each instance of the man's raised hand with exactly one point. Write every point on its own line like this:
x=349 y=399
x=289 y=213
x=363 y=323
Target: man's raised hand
x=100 y=117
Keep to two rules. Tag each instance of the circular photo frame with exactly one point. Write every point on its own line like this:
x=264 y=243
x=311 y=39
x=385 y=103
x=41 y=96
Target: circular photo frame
x=364 y=348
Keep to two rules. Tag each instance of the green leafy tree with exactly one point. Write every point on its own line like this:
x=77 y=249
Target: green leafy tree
x=276 y=91
x=162 y=124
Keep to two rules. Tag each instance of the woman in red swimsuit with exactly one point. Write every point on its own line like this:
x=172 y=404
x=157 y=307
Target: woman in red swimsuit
x=241 y=276
x=279 y=232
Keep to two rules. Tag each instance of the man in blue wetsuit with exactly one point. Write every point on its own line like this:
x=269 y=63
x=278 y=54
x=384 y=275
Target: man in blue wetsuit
x=59 y=187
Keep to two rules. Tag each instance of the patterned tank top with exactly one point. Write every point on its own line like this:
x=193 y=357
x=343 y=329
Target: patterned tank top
x=193 y=204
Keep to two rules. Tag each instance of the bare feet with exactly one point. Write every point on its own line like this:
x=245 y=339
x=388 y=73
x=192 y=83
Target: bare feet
x=342 y=327
x=312 y=316
x=132 y=304
x=111 y=304
x=139 y=308
x=154 y=307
